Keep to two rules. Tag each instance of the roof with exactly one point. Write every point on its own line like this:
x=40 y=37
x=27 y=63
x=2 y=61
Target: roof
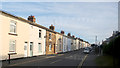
x=27 y=21
x=35 y=24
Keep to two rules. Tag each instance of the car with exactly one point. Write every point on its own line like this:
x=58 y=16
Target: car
x=90 y=48
x=86 y=50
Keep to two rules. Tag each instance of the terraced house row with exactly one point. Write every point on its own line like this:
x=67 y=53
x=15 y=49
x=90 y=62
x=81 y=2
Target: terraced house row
x=26 y=38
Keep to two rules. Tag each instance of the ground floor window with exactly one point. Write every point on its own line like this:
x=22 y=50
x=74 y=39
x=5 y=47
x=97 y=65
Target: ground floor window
x=50 y=46
x=39 y=47
x=12 y=46
x=60 y=48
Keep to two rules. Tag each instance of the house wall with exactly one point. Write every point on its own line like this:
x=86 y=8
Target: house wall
x=1 y=36
x=69 y=43
x=24 y=33
x=77 y=44
x=80 y=44
x=22 y=36
x=53 y=41
x=59 y=43
x=74 y=44
x=65 y=47
x=34 y=37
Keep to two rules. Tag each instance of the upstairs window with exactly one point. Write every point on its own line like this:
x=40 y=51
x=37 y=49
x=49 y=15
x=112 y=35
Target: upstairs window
x=39 y=33
x=50 y=36
x=12 y=26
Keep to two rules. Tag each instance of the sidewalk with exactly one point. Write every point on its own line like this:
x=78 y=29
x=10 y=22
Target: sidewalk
x=90 y=61
x=18 y=61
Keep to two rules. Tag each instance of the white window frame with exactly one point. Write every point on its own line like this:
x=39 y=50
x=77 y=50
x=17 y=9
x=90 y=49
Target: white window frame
x=50 y=36
x=12 y=46
x=39 y=47
x=40 y=33
x=13 y=26
x=50 y=46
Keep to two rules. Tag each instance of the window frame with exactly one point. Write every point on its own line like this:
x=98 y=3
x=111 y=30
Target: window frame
x=50 y=46
x=12 y=43
x=13 y=27
x=50 y=36
x=39 y=49
x=40 y=33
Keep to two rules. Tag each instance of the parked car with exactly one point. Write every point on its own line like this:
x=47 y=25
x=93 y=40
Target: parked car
x=86 y=50
x=90 y=48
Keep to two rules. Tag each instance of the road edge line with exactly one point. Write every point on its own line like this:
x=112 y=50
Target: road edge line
x=80 y=65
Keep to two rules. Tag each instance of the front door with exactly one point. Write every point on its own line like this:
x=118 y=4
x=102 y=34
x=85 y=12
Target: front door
x=31 y=48
x=54 y=48
x=25 y=49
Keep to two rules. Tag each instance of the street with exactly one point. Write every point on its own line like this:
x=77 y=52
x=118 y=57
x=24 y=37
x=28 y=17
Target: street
x=72 y=59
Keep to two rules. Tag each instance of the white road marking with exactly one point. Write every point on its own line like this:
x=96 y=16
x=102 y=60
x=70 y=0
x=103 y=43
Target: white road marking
x=55 y=61
x=80 y=65
x=50 y=57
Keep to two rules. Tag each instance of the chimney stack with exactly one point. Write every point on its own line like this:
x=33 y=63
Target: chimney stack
x=69 y=34
x=52 y=27
x=62 y=32
x=31 y=18
x=73 y=36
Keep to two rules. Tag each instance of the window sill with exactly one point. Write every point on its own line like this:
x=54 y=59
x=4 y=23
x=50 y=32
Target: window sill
x=13 y=34
x=11 y=53
x=50 y=39
x=39 y=38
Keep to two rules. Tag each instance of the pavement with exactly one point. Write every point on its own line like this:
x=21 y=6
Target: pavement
x=90 y=61
x=74 y=59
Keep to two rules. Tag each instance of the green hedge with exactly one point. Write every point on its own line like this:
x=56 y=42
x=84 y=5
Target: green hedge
x=113 y=48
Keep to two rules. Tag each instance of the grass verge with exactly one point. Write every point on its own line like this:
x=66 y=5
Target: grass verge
x=106 y=60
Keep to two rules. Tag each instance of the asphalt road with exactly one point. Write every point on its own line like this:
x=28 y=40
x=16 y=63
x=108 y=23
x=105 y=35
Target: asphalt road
x=72 y=59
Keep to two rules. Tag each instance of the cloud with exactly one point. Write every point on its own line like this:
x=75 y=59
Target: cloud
x=60 y=0
x=83 y=19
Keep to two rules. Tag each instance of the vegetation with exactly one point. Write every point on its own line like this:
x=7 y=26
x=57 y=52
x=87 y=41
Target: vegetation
x=104 y=60
x=113 y=49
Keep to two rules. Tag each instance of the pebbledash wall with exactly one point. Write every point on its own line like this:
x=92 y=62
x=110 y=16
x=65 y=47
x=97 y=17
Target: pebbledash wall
x=25 y=38
x=31 y=39
x=59 y=43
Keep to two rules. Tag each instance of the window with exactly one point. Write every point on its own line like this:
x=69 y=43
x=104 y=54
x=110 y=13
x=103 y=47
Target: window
x=50 y=35
x=12 y=26
x=60 y=44
x=39 y=33
x=50 y=46
x=39 y=47
x=25 y=46
x=12 y=46
x=31 y=46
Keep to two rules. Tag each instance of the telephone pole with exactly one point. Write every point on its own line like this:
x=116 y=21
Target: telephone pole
x=96 y=40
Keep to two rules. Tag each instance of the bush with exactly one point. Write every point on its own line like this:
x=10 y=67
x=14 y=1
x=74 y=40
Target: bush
x=113 y=48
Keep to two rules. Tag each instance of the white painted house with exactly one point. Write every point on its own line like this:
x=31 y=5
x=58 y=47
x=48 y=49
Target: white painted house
x=69 y=43
x=65 y=47
x=21 y=37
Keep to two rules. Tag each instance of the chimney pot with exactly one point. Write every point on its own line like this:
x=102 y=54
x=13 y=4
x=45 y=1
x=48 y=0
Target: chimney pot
x=62 y=32
x=73 y=36
x=52 y=27
x=69 y=34
x=31 y=18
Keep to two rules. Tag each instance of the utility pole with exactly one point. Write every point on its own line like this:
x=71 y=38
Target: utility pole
x=96 y=40
x=96 y=49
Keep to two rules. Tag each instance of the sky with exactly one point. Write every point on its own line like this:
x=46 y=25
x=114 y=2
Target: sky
x=82 y=19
